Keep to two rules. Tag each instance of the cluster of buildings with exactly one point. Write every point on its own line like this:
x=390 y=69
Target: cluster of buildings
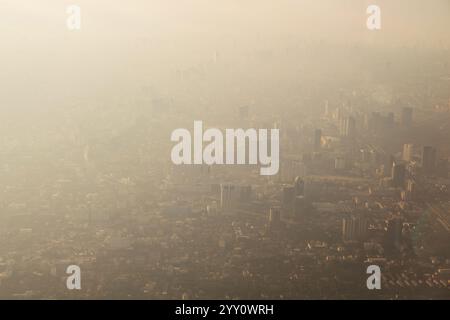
x=355 y=188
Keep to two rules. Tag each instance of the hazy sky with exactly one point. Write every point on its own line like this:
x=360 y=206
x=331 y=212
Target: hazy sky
x=326 y=19
x=42 y=60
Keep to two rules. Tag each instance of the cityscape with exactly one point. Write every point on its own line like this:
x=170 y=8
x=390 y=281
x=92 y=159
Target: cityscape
x=86 y=176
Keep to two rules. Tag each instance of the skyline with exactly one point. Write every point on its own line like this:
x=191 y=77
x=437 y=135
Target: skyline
x=135 y=161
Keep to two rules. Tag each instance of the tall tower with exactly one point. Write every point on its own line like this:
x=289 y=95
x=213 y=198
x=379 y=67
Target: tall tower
x=228 y=196
x=348 y=127
x=274 y=218
x=354 y=228
x=408 y=151
x=398 y=174
x=394 y=232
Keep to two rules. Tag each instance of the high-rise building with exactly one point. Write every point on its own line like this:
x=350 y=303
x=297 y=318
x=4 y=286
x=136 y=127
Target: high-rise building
x=354 y=228
x=245 y=193
x=290 y=169
x=428 y=159
x=348 y=127
x=407 y=117
x=408 y=152
x=327 y=109
x=387 y=162
x=232 y=195
x=411 y=189
x=398 y=174
x=274 y=218
x=229 y=196
x=394 y=232
x=275 y=215
x=411 y=186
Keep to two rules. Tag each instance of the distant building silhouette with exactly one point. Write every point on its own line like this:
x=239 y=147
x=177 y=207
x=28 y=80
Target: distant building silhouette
x=408 y=152
x=231 y=195
x=407 y=117
x=354 y=228
x=394 y=232
x=348 y=127
x=398 y=174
